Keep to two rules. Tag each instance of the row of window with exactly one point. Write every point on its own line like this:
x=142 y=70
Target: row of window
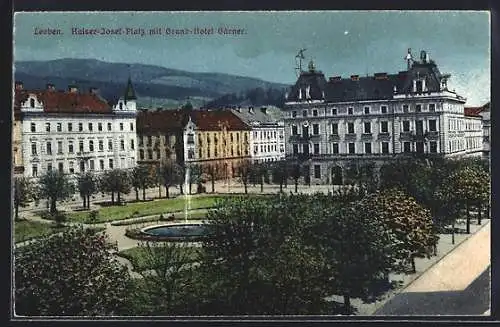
x=79 y=126
x=266 y=134
x=216 y=152
x=367 y=148
x=71 y=168
x=473 y=142
x=367 y=127
x=431 y=107
x=269 y=148
x=215 y=137
x=158 y=139
x=81 y=148
x=457 y=124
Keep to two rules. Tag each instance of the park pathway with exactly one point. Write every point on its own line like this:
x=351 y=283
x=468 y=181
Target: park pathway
x=458 y=284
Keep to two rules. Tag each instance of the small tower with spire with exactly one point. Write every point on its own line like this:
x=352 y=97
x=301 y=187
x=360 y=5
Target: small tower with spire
x=128 y=102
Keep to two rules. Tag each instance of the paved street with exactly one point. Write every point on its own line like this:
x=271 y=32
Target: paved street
x=459 y=284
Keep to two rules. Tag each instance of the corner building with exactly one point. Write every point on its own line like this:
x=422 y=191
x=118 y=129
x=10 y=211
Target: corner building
x=74 y=131
x=329 y=124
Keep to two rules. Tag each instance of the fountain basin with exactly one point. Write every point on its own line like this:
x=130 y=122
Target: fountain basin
x=175 y=232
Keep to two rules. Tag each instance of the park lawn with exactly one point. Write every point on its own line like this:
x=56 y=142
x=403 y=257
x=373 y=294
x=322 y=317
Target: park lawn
x=25 y=230
x=139 y=209
x=141 y=261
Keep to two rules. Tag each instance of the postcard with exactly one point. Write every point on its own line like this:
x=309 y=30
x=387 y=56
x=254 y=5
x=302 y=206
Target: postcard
x=263 y=164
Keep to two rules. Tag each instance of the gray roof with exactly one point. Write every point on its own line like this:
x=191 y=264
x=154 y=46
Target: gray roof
x=271 y=116
x=380 y=86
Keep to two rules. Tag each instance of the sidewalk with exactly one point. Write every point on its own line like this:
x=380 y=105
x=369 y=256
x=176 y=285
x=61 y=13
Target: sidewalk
x=458 y=284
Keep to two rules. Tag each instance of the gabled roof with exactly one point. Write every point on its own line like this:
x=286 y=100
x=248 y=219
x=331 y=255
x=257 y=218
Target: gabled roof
x=212 y=120
x=64 y=101
x=160 y=121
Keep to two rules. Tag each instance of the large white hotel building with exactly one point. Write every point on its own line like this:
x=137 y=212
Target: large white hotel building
x=331 y=123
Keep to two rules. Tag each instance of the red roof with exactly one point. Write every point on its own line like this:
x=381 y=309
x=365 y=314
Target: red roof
x=205 y=120
x=160 y=121
x=64 y=102
x=473 y=111
x=211 y=120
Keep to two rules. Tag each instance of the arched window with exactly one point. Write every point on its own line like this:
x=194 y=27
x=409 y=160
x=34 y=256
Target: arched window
x=32 y=103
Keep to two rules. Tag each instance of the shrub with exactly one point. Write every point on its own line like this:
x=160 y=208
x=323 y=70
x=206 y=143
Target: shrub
x=93 y=215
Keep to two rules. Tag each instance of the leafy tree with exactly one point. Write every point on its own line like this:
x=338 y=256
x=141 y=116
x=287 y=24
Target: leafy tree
x=168 y=174
x=256 y=260
x=141 y=177
x=163 y=291
x=280 y=171
x=180 y=177
x=87 y=185
x=70 y=274
x=359 y=250
x=468 y=185
x=195 y=173
x=260 y=172
x=245 y=170
x=410 y=224
x=211 y=170
x=55 y=186
x=296 y=171
x=115 y=181
x=23 y=192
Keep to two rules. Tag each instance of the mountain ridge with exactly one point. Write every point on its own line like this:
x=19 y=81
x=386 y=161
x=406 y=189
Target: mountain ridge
x=150 y=81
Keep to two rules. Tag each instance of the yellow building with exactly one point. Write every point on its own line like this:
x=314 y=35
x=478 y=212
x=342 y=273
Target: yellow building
x=221 y=142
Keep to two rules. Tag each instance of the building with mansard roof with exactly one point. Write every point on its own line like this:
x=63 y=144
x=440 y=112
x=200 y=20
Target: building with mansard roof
x=331 y=123
x=267 y=137
x=74 y=131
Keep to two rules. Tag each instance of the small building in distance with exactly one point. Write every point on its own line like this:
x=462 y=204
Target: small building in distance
x=267 y=135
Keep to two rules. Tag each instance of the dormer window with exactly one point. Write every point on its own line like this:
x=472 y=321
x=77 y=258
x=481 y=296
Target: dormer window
x=121 y=105
x=419 y=86
x=32 y=103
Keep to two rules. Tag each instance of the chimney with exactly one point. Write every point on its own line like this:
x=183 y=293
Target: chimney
x=51 y=87
x=19 y=85
x=93 y=90
x=72 y=88
x=238 y=109
x=250 y=109
x=264 y=110
x=354 y=77
x=335 y=78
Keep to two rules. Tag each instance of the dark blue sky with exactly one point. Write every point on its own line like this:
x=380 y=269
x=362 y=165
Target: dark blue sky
x=341 y=43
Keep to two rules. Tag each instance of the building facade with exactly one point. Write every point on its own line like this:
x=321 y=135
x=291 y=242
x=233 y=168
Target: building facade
x=75 y=132
x=330 y=124
x=484 y=113
x=160 y=136
x=267 y=134
x=218 y=140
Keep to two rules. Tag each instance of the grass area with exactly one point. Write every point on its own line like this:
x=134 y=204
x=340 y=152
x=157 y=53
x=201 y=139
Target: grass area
x=138 y=209
x=194 y=215
x=25 y=230
x=142 y=260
